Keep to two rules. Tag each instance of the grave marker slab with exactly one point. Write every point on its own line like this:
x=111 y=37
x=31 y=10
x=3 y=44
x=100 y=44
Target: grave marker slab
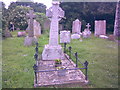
x=100 y=27
x=76 y=27
x=37 y=29
x=65 y=36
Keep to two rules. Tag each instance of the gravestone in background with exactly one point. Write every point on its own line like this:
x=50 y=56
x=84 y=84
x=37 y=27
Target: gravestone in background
x=37 y=29
x=87 y=33
x=7 y=33
x=30 y=39
x=100 y=27
x=47 y=24
x=76 y=27
x=53 y=50
x=65 y=36
x=117 y=21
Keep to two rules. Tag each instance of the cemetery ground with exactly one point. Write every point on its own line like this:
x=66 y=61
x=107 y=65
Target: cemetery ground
x=18 y=61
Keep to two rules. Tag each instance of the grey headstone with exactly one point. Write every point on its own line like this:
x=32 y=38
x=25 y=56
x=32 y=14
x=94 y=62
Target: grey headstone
x=76 y=27
x=100 y=27
x=37 y=29
x=65 y=36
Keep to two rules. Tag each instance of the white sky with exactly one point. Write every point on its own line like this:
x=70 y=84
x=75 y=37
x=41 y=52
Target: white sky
x=48 y=3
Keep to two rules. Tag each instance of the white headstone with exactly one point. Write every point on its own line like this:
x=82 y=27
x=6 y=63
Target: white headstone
x=53 y=50
x=65 y=36
x=76 y=27
x=100 y=27
x=37 y=29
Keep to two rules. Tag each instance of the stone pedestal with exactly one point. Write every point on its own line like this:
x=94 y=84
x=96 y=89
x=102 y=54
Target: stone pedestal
x=52 y=52
x=29 y=41
x=75 y=36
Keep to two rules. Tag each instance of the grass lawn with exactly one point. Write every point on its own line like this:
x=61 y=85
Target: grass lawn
x=17 y=61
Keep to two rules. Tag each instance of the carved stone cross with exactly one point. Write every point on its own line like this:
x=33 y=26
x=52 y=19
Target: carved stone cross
x=88 y=26
x=55 y=14
x=53 y=50
x=31 y=17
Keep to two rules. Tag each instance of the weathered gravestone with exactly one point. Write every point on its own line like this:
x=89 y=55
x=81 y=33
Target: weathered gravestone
x=117 y=21
x=65 y=36
x=76 y=27
x=37 y=29
x=53 y=50
x=7 y=33
x=47 y=24
x=86 y=33
x=30 y=39
x=100 y=27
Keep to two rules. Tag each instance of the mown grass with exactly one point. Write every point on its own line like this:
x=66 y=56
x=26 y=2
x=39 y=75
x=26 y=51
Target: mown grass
x=101 y=54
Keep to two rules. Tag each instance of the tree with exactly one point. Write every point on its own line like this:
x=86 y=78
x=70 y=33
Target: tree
x=19 y=18
x=41 y=18
x=88 y=12
x=16 y=12
x=37 y=7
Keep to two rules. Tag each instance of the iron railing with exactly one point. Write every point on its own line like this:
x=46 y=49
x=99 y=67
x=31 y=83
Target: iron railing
x=67 y=51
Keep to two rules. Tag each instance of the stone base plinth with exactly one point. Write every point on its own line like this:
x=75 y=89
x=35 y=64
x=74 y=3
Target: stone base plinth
x=75 y=36
x=29 y=41
x=52 y=52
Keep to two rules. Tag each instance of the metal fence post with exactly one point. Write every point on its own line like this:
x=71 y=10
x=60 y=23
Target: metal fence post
x=36 y=44
x=70 y=48
x=86 y=70
x=76 y=56
x=36 y=56
x=65 y=47
x=36 y=48
x=35 y=69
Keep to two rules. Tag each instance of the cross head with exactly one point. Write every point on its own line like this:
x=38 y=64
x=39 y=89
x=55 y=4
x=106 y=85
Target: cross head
x=31 y=14
x=88 y=25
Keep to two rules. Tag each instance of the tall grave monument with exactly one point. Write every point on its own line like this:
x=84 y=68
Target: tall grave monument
x=53 y=50
x=117 y=20
x=30 y=39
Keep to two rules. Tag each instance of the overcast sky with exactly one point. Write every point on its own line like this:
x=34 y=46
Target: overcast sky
x=48 y=3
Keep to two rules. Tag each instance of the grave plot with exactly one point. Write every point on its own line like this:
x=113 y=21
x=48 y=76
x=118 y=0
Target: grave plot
x=47 y=74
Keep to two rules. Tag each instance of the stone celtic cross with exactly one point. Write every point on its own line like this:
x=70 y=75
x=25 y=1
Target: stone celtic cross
x=31 y=17
x=55 y=14
x=53 y=50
